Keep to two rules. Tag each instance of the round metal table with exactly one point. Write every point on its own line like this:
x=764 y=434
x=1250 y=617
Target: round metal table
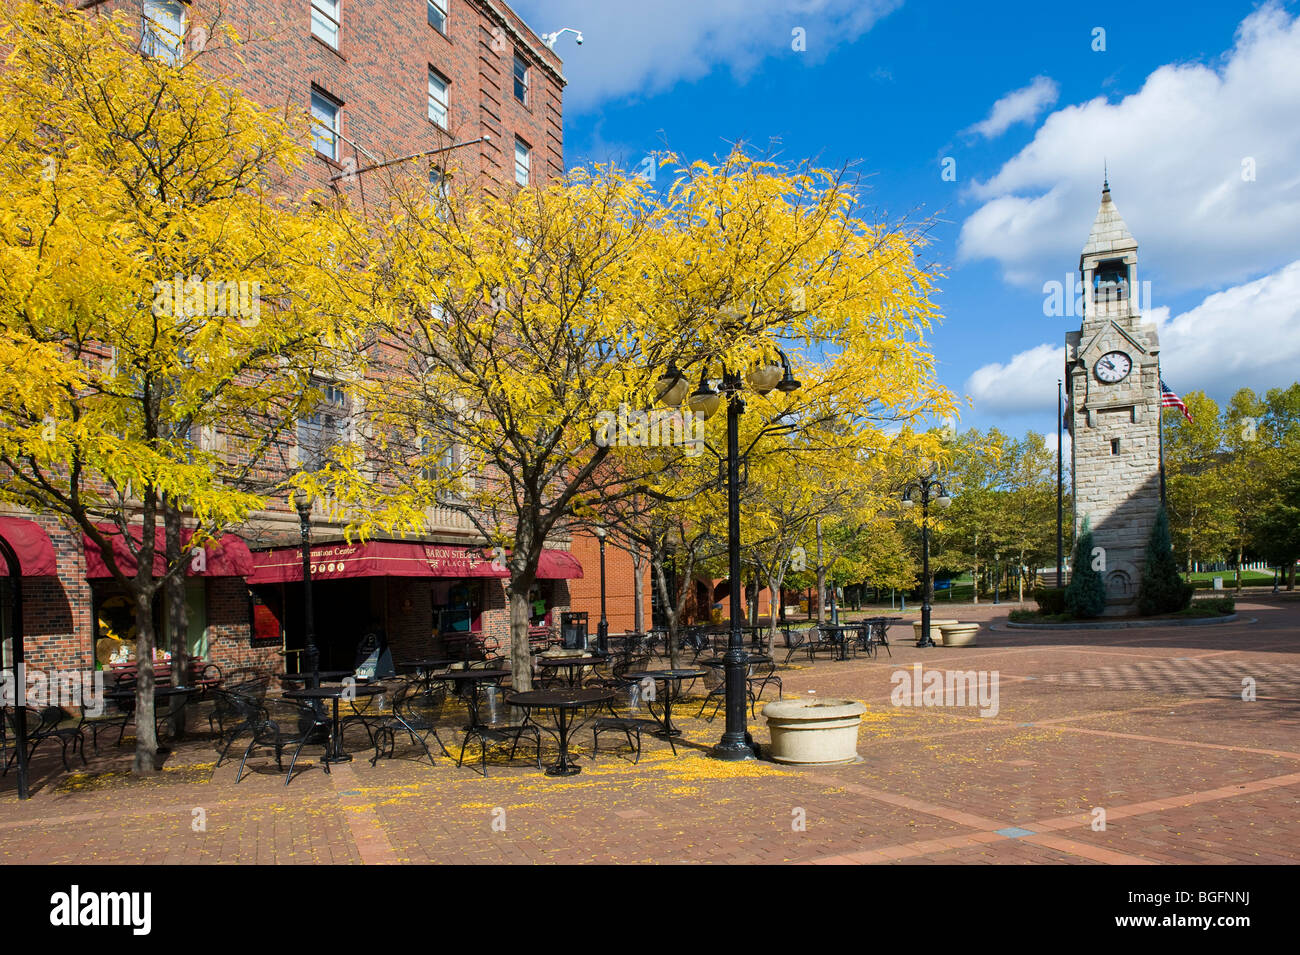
x=669 y=678
x=564 y=702
x=334 y=751
x=571 y=664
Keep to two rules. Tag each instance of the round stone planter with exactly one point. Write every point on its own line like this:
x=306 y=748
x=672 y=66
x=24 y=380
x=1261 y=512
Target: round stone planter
x=960 y=634
x=810 y=731
x=936 y=631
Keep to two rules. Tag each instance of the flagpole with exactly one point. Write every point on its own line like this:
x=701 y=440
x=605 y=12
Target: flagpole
x=1160 y=410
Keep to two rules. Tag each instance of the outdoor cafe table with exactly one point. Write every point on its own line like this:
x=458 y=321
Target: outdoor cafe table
x=670 y=679
x=126 y=693
x=841 y=637
x=572 y=664
x=334 y=749
x=321 y=676
x=564 y=701
x=430 y=664
x=473 y=678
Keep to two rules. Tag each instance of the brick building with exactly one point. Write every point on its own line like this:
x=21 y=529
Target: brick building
x=472 y=92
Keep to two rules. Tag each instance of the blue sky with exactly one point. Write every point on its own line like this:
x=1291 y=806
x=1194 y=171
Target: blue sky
x=1195 y=107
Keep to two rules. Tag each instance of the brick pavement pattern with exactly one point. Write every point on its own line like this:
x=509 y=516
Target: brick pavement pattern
x=1146 y=725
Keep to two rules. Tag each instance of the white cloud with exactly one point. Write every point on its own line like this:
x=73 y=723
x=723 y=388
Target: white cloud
x=645 y=48
x=1025 y=384
x=1180 y=153
x=1018 y=106
x=1245 y=337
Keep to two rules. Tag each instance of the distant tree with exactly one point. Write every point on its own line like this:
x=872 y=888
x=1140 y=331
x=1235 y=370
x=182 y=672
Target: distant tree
x=1161 y=590
x=1086 y=594
x=1276 y=530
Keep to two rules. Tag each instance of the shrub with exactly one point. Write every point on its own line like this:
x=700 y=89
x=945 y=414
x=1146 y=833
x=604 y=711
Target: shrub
x=1050 y=599
x=1086 y=594
x=1223 y=605
x=1161 y=590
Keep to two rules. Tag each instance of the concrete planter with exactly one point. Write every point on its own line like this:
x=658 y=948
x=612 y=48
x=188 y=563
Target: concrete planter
x=809 y=731
x=960 y=634
x=936 y=632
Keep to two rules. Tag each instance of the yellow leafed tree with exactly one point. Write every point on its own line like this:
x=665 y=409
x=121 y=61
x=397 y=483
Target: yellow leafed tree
x=156 y=324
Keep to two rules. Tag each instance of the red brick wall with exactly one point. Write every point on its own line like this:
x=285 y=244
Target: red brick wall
x=620 y=584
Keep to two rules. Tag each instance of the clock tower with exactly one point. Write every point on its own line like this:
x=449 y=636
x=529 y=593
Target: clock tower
x=1112 y=378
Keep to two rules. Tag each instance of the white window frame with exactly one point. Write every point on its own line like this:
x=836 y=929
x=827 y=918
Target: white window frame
x=439 y=108
x=523 y=162
x=158 y=39
x=326 y=21
x=525 y=80
x=319 y=124
x=436 y=8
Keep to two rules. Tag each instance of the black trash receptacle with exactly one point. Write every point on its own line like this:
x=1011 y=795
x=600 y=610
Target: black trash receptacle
x=573 y=630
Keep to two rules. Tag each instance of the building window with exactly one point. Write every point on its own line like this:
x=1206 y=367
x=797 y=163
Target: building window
x=522 y=161
x=438 y=187
x=323 y=429
x=163 y=33
x=521 y=79
x=324 y=125
x=437 y=12
x=1114 y=445
x=325 y=21
x=437 y=99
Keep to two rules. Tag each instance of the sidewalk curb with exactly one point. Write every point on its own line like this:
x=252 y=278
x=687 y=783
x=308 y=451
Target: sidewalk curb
x=1127 y=624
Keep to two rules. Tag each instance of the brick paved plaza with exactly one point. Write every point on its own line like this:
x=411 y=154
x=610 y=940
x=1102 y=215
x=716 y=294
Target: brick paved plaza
x=1147 y=724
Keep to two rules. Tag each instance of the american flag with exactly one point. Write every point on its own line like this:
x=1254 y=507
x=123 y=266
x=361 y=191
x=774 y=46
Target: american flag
x=1170 y=400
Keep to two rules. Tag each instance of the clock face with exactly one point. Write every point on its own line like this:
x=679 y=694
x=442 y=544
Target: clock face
x=1113 y=366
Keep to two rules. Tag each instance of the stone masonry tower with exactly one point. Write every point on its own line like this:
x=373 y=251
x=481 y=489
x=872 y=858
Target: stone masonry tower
x=1112 y=378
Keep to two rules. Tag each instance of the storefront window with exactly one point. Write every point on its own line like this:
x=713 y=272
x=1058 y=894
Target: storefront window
x=456 y=605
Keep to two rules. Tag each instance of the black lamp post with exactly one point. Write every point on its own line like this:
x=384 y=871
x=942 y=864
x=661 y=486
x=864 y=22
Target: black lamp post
x=303 y=505
x=928 y=488
x=736 y=743
x=602 y=629
x=997 y=577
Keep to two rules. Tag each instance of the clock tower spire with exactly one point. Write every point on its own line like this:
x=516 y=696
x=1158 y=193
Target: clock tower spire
x=1113 y=381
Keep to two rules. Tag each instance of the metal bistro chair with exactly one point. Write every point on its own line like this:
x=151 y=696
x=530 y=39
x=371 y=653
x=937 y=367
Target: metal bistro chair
x=629 y=723
x=417 y=708
x=47 y=723
x=796 y=640
x=877 y=636
x=498 y=728
x=301 y=725
x=232 y=706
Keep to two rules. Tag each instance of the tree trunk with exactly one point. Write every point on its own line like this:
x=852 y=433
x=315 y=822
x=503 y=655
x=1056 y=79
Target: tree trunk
x=521 y=658
x=821 y=577
x=146 y=733
x=638 y=589
x=177 y=617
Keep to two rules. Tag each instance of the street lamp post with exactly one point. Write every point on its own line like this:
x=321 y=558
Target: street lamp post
x=303 y=505
x=928 y=488
x=736 y=743
x=602 y=629
x=997 y=577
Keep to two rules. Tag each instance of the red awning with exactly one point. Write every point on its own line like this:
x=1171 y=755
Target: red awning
x=32 y=545
x=558 y=565
x=229 y=557
x=374 y=559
